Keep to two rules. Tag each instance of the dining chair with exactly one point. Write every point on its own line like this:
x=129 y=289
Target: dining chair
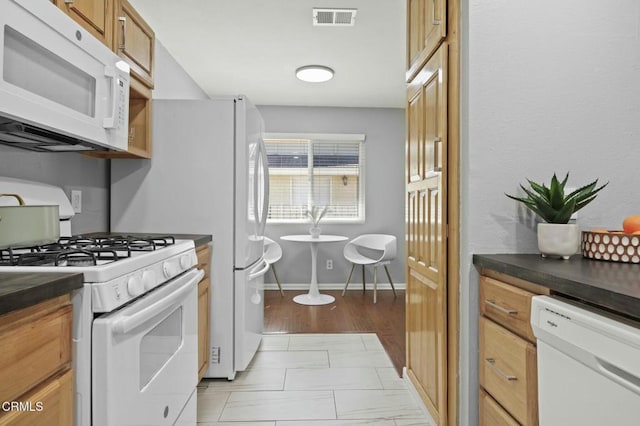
x=272 y=253
x=373 y=250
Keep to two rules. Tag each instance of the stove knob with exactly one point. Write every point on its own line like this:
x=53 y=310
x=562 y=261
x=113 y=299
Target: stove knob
x=149 y=279
x=185 y=261
x=168 y=269
x=135 y=286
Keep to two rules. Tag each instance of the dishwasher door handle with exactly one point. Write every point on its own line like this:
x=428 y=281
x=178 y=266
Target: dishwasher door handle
x=623 y=378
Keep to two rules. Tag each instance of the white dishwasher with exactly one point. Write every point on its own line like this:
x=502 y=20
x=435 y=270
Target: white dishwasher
x=588 y=365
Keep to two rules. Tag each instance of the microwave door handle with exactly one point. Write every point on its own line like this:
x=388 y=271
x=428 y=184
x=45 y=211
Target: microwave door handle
x=126 y=324
x=110 y=122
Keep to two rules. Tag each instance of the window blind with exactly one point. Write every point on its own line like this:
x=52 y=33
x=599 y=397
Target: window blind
x=305 y=173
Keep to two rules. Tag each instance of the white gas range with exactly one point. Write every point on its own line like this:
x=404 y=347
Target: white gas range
x=134 y=327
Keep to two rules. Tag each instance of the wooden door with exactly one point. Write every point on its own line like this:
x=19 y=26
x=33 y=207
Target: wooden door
x=426 y=29
x=96 y=16
x=426 y=245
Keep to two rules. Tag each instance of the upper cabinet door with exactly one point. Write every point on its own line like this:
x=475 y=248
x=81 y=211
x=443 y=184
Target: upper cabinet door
x=134 y=41
x=96 y=16
x=426 y=29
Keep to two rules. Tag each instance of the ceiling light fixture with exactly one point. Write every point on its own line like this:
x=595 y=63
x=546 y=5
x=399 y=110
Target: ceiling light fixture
x=314 y=73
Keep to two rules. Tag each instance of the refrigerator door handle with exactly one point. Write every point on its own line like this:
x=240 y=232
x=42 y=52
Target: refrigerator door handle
x=263 y=270
x=265 y=198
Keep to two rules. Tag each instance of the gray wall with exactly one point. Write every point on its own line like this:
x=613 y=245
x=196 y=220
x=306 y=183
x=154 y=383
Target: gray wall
x=384 y=177
x=171 y=80
x=547 y=87
x=69 y=171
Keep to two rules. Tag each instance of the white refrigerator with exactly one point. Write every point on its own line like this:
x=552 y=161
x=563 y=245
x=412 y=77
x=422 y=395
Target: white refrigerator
x=208 y=175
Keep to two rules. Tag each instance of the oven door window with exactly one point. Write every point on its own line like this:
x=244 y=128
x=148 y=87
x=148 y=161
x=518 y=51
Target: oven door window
x=159 y=345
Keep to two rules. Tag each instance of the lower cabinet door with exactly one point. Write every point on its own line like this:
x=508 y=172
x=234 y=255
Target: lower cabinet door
x=204 y=307
x=508 y=371
x=49 y=404
x=492 y=414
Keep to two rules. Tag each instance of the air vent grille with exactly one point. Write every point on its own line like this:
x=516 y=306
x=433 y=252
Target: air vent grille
x=334 y=17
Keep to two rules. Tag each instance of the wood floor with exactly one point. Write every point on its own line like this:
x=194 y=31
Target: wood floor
x=353 y=313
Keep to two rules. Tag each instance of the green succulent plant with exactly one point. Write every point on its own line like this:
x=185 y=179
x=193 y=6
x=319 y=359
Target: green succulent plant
x=551 y=203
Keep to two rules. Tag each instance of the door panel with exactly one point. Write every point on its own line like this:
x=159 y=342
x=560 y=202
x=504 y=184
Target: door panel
x=96 y=16
x=249 y=313
x=427 y=28
x=426 y=313
x=251 y=186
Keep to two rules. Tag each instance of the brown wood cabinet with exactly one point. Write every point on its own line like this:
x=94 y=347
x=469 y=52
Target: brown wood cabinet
x=507 y=350
x=35 y=363
x=426 y=29
x=426 y=313
x=134 y=42
x=95 y=16
x=432 y=213
x=204 y=309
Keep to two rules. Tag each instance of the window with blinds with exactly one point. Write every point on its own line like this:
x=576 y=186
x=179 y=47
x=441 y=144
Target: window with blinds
x=321 y=171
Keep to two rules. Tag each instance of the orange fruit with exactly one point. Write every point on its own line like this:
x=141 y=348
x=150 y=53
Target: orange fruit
x=631 y=224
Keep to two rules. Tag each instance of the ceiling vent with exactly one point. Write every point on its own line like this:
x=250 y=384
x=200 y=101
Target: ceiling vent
x=334 y=17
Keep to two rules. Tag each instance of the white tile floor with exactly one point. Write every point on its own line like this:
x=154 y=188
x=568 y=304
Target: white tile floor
x=312 y=380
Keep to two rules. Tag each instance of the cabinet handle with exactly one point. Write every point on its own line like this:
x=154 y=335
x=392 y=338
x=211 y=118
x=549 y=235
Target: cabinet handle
x=123 y=25
x=436 y=151
x=492 y=364
x=68 y=1
x=504 y=310
x=434 y=21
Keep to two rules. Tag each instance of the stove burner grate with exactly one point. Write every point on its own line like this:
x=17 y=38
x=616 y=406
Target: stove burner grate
x=82 y=251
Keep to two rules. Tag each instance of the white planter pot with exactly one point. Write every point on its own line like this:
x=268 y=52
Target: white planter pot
x=558 y=239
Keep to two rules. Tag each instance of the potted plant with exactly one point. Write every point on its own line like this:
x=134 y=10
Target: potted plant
x=557 y=237
x=315 y=214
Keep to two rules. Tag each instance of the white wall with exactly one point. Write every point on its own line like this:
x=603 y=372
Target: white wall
x=547 y=87
x=384 y=176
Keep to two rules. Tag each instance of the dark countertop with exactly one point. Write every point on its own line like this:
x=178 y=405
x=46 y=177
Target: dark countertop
x=20 y=290
x=613 y=285
x=198 y=239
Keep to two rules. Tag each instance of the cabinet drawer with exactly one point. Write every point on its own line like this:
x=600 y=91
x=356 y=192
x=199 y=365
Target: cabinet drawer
x=507 y=305
x=492 y=414
x=51 y=404
x=204 y=259
x=33 y=349
x=508 y=371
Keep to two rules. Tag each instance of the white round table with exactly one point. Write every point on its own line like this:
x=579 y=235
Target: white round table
x=314 y=297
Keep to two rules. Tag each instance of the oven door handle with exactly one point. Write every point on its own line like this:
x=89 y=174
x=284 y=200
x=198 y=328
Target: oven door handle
x=128 y=323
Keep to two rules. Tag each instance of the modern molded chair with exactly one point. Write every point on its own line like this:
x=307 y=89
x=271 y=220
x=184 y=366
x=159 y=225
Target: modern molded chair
x=374 y=250
x=272 y=253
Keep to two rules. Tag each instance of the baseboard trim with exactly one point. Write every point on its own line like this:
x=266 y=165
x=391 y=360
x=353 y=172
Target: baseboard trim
x=334 y=286
x=416 y=396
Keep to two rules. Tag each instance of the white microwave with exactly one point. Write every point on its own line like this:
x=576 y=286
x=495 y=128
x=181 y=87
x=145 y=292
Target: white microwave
x=60 y=88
